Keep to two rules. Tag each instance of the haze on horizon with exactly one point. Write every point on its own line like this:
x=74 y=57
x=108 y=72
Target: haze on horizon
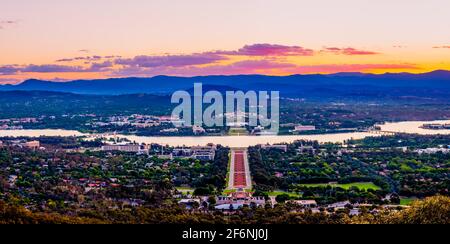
x=87 y=39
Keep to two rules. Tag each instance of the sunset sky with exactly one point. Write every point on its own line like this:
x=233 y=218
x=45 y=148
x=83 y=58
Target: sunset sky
x=63 y=40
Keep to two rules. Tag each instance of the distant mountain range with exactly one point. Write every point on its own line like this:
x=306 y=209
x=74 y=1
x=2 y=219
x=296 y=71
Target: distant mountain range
x=433 y=85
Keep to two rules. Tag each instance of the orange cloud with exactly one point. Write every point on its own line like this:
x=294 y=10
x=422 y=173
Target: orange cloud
x=348 y=51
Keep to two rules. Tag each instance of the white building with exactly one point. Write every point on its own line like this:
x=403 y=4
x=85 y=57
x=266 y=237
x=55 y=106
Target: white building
x=432 y=150
x=280 y=147
x=339 y=205
x=32 y=144
x=304 y=203
x=301 y=128
x=171 y=130
x=200 y=153
x=237 y=200
x=204 y=153
x=198 y=129
x=135 y=148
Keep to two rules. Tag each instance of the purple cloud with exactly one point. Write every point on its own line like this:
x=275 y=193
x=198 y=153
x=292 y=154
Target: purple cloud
x=51 y=68
x=96 y=67
x=348 y=51
x=88 y=58
x=241 y=67
x=266 y=50
x=112 y=56
x=269 y=50
x=64 y=60
x=9 y=69
x=261 y=59
x=171 y=60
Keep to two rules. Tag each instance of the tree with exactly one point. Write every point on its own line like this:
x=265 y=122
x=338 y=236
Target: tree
x=395 y=199
x=212 y=200
x=202 y=191
x=231 y=207
x=204 y=205
x=282 y=198
x=432 y=210
x=195 y=205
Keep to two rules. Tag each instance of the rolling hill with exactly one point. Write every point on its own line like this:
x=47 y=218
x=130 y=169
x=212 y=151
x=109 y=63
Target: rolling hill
x=433 y=85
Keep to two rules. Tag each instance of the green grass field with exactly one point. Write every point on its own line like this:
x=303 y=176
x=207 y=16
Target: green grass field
x=359 y=185
x=407 y=201
x=277 y=193
x=226 y=192
x=238 y=132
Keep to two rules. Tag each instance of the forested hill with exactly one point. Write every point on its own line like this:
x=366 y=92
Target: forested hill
x=36 y=103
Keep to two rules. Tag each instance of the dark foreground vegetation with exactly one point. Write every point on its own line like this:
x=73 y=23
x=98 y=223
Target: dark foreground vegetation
x=433 y=210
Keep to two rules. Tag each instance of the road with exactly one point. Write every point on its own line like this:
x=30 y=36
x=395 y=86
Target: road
x=239 y=175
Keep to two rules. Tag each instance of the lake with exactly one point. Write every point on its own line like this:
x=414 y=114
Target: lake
x=412 y=127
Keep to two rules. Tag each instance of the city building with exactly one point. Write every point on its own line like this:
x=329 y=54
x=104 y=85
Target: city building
x=198 y=129
x=190 y=203
x=182 y=152
x=283 y=148
x=135 y=148
x=339 y=205
x=432 y=151
x=237 y=200
x=204 y=153
x=436 y=126
x=171 y=130
x=32 y=144
x=302 y=128
x=201 y=153
x=304 y=203
x=306 y=149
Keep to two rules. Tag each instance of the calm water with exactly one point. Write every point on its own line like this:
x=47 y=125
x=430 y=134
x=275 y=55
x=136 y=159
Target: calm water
x=38 y=133
x=245 y=141
x=414 y=127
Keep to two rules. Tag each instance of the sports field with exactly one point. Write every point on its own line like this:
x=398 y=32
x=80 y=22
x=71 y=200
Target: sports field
x=359 y=185
x=277 y=193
